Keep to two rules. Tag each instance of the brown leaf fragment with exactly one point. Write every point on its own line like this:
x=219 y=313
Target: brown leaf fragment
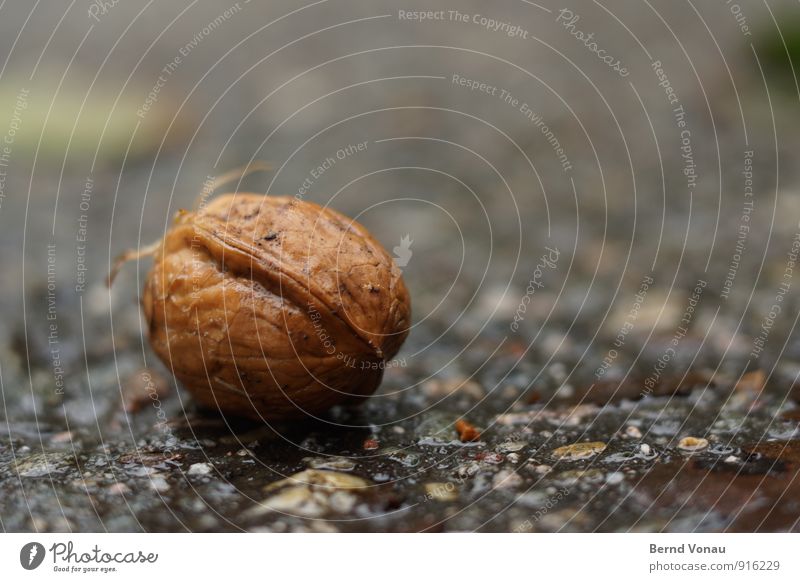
x=467 y=432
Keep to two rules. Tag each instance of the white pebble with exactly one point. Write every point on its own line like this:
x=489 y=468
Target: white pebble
x=199 y=469
x=565 y=391
x=633 y=432
x=558 y=372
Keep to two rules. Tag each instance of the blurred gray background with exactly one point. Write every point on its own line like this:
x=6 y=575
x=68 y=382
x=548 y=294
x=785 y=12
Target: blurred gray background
x=112 y=116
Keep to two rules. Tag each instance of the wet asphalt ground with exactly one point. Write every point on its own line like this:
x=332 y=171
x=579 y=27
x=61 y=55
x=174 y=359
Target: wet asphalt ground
x=603 y=269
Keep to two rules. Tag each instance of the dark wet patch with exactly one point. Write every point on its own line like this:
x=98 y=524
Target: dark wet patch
x=760 y=493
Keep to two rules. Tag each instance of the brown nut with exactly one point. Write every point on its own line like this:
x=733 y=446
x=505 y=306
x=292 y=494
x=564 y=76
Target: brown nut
x=272 y=307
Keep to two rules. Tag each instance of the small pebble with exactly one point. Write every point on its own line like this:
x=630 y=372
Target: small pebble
x=441 y=491
x=645 y=448
x=330 y=463
x=732 y=459
x=577 y=451
x=468 y=470
x=615 y=478
x=490 y=458
x=62 y=437
x=558 y=372
x=510 y=392
x=311 y=493
x=565 y=391
x=119 y=489
x=692 y=444
x=506 y=479
x=159 y=484
x=297 y=500
x=633 y=432
x=325 y=480
x=342 y=501
x=199 y=469
x=510 y=446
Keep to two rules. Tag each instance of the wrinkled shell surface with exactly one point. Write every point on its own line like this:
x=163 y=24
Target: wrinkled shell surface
x=272 y=307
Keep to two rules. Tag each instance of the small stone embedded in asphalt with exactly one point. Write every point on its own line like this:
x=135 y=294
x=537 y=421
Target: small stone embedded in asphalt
x=311 y=493
x=633 y=432
x=490 y=458
x=467 y=470
x=200 y=469
x=62 y=437
x=119 y=489
x=441 y=491
x=506 y=479
x=579 y=476
x=42 y=465
x=159 y=484
x=296 y=500
x=402 y=457
x=511 y=446
x=692 y=444
x=579 y=451
x=342 y=501
x=321 y=479
x=330 y=463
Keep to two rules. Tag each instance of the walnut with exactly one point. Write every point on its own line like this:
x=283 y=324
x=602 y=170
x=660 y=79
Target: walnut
x=274 y=308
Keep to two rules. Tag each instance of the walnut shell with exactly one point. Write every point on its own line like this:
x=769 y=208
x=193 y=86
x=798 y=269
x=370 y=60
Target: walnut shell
x=274 y=308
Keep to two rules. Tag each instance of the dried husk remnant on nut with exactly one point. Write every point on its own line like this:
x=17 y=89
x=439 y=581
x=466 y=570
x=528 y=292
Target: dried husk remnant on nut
x=273 y=307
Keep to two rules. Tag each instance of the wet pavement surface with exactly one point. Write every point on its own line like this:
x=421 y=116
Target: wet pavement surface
x=605 y=346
